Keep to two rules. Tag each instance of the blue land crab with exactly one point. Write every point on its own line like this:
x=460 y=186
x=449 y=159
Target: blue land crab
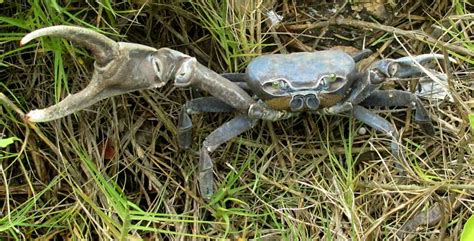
x=273 y=87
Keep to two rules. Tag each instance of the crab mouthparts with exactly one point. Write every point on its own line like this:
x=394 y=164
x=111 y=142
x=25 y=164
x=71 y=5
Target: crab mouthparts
x=299 y=102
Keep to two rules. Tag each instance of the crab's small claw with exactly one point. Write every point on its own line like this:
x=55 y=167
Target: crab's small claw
x=408 y=66
x=119 y=68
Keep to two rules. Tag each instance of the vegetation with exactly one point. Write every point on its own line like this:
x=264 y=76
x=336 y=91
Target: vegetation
x=114 y=171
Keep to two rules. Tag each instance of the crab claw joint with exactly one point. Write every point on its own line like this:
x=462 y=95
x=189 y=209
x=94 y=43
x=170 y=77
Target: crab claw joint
x=119 y=68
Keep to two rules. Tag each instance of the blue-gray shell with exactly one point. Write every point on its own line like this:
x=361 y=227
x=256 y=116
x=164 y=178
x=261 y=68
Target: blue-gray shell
x=300 y=69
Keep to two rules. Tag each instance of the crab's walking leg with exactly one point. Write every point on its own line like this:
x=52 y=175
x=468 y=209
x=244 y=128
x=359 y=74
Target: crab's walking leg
x=370 y=80
x=240 y=79
x=219 y=136
x=199 y=105
x=377 y=122
x=402 y=98
x=235 y=77
x=362 y=55
x=192 y=73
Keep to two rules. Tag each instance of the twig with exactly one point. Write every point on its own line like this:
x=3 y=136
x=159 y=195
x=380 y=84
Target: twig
x=441 y=186
x=195 y=49
x=429 y=217
x=10 y=105
x=418 y=35
x=160 y=113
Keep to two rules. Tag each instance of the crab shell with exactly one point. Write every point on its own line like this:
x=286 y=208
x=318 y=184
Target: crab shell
x=319 y=79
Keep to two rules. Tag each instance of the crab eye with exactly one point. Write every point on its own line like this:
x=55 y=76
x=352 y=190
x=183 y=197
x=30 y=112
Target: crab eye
x=331 y=78
x=279 y=84
x=332 y=82
x=277 y=87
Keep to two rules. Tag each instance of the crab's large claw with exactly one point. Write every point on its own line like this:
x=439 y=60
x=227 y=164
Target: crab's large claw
x=119 y=68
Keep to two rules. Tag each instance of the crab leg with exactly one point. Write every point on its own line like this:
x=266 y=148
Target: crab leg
x=235 y=77
x=199 y=105
x=377 y=122
x=402 y=98
x=362 y=55
x=370 y=80
x=219 y=136
x=239 y=79
x=192 y=73
x=209 y=104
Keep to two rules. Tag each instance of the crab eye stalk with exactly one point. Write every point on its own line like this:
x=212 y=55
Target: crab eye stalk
x=325 y=82
x=283 y=85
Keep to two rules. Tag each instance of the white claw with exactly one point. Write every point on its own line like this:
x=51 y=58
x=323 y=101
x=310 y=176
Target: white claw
x=36 y=116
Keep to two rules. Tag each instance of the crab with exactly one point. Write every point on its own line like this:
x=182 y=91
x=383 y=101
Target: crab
x=273 y=87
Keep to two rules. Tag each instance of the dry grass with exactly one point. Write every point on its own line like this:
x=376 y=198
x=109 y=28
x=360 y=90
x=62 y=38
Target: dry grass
x=114 y=171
